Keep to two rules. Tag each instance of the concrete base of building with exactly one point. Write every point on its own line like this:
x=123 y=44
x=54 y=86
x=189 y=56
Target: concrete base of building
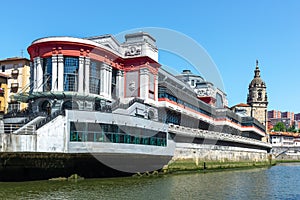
x=43 y=166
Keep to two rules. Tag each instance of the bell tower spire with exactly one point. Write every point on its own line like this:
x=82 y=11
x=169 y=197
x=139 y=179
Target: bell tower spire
x=257 y=97
x=257 y=70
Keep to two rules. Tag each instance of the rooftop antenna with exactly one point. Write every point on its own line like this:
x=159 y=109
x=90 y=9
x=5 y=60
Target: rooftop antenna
x=22 y=51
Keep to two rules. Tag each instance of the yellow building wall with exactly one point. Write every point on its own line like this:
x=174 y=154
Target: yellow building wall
x=25 y=83
x=23 y=79
x=4 y=98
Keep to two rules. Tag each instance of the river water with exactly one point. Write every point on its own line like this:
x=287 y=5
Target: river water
x=278 y=182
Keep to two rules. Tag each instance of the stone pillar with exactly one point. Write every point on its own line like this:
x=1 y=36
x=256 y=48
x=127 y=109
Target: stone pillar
x=54 y=73
x=32 y=76
x=81 y=75
x=34 y=80
x=144 y=83
x=106 y=76
x=102 y=80
x=109 y=80
x=60 y=72
x=120 y=84
x=156 y=87
x=87 y=75
x=38 y=74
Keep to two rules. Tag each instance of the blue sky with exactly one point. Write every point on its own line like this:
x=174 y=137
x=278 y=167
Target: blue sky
x=234 y=33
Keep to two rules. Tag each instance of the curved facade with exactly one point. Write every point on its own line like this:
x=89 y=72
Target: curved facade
x=93 y=69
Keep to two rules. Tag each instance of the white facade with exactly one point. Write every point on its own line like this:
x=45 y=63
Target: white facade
x=204 y=88
x=284 y=140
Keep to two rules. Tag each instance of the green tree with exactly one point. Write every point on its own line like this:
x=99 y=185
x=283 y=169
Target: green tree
x=279 y=127
x=292 y=129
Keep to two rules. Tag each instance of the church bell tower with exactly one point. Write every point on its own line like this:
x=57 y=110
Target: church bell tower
x=257 y=97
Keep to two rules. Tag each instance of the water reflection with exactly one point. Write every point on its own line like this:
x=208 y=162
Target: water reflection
x=279 y=182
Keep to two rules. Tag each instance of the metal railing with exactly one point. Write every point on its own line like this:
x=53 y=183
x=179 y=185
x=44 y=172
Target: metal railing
x=215 y=135
x=13 y=129
x=49 y=118
x=117 y=103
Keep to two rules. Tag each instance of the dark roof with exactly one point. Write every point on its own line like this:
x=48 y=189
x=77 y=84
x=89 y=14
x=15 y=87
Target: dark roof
x=4 y=75
x=14 y=59
x=241 y=105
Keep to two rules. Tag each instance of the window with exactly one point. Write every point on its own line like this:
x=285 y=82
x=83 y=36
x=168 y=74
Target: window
x=173 y=117
x=70 y=105
x=95 y=77
x=192 y=82
x=113 y=83
x=163 y=94
x=47 y=71
x=219 y=101
x=14 y=106
x=71 y=65
x=14 y=73
x=3 y=68
x=151 y=86
x=259 y=95
x=94 y=132
x=14 y=87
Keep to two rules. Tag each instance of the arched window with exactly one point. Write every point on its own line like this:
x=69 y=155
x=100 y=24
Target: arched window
x=259 y=97
x=45 y=107
x=70 y=105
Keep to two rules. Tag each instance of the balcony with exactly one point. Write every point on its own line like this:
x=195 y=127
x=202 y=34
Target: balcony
x=15 y=73
x=14 y=87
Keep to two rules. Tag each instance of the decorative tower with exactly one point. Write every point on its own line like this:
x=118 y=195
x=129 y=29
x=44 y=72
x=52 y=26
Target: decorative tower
x=257 y=97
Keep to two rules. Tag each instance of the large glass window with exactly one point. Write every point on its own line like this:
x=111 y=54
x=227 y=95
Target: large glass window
x=71 y=65
x=162 y=94
x=95 y=77
x=94 y=132
x=114 y=83
x=47 y=70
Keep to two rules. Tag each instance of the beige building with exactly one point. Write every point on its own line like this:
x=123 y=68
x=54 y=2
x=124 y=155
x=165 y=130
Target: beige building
x=18 y=71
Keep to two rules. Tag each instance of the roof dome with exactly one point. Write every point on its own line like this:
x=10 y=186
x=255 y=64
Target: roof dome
x=257 y=81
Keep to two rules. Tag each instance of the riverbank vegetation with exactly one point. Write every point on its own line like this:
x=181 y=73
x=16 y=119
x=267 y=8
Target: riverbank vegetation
x=191 y=165
x=287 y=161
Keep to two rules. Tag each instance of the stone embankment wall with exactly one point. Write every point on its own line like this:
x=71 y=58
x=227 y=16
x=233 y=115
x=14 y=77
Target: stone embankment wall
x=218 y=153
x=213 y=157
x=287 y=153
